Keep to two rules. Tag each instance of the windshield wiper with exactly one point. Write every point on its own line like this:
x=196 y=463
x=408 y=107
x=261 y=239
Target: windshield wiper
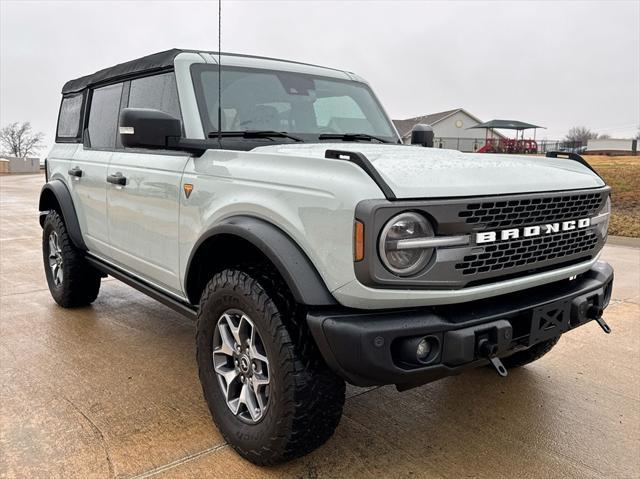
x=253 y=134
x=350 y=137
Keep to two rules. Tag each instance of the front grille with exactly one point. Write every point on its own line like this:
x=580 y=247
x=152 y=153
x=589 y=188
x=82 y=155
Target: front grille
x=473 y=264
x=518 y=212
x=534 y=251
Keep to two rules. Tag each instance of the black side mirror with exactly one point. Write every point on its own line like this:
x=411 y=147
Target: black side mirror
x=422 y=135
x=146 y=128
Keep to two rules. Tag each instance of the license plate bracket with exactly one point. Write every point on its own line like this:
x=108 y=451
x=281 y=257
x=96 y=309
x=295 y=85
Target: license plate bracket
x=549 y=321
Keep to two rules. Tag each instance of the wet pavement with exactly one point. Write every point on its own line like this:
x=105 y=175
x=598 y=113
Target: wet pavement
x=112 y=390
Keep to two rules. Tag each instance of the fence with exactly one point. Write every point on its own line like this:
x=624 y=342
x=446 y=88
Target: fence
x=474 y=144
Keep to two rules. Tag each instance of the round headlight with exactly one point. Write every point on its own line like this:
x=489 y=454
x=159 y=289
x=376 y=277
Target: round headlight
x=399 y=259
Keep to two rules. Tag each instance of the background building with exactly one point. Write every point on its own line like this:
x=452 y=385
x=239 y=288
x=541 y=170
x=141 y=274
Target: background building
x=450 y=129
x=11 y=164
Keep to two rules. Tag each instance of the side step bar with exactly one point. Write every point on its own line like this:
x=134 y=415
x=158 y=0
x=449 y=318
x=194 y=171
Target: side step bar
x=183 y=308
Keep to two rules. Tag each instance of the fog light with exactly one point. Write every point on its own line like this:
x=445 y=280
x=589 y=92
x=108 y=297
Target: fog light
x=416 y=351
x=423 y=350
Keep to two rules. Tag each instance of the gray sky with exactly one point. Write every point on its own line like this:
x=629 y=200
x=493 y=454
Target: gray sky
x=556 y=64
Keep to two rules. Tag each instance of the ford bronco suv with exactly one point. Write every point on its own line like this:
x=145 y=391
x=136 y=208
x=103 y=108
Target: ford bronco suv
x=274 y=203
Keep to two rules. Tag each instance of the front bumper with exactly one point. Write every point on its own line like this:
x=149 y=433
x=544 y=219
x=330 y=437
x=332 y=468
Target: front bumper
x=370 y=347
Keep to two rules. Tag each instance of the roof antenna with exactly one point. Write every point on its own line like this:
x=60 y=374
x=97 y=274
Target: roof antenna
x=219 y=75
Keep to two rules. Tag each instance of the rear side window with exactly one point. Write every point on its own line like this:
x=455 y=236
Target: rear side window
x=69 y=118
x=158 y=92
x=103 y=116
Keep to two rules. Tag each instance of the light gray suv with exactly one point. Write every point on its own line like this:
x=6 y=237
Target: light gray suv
x=274 y=203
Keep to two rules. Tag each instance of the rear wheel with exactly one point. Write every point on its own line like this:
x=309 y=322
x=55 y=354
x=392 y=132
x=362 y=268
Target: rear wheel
x=269 y=393
x=530 y=355
x=71 y=280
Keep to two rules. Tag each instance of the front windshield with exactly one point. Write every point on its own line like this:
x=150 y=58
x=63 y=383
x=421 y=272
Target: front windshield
x=303 y=105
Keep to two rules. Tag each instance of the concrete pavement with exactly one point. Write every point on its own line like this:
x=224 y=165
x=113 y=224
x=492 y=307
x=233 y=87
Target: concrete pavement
x=112 y=391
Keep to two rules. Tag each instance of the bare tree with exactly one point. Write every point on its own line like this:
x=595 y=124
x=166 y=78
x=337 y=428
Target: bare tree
x=19 y=140
x=580 y=134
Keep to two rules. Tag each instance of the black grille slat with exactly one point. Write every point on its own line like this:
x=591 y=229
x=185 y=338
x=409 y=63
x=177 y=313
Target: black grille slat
x=505 y=214
x=511 y=254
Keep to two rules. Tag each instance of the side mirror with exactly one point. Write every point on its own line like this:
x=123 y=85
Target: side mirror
x=146 y=128
x=422 y=135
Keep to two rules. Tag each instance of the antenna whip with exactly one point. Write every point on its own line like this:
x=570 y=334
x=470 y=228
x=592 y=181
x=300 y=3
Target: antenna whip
x=219 y=74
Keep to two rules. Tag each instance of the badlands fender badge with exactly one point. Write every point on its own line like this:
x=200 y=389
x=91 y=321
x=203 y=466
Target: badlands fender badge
x=531 y=231
x=188 y=188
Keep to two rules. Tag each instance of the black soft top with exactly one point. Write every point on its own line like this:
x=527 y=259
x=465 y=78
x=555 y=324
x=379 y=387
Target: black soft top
x=150 y=63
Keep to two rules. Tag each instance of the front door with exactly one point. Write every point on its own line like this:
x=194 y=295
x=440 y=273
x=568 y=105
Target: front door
x=143 y=194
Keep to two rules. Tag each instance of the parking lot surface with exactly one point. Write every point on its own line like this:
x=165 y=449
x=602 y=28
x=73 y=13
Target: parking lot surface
x=112 y=390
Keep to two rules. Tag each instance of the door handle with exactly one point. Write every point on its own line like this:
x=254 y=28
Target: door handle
x=77 y=172
x=117 y=179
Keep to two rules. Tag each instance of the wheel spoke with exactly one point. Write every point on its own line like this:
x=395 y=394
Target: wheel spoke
x=255 y=354
x=229 y=375
x=256 y=386
x=53 y=247
x=54 y=271
x=235 y=330
x=59 y=275
x=250 y=402
x=260 y=380
x=226 y=347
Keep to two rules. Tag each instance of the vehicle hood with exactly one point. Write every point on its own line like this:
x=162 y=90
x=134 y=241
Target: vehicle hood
x=418 y=172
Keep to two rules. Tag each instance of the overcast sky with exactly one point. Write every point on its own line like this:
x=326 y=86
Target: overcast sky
x=556 y=64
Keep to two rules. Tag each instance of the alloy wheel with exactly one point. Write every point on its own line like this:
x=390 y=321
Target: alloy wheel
x=55 y=259
x=241 y=366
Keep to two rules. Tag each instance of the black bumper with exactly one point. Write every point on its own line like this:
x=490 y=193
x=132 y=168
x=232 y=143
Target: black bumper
x=375 y=347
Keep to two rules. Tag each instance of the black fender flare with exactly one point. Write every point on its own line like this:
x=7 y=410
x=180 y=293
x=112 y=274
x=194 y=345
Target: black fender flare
x=297 y=270
x=62 y=196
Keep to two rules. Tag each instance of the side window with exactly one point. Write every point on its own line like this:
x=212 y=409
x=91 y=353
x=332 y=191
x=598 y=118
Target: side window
x=69 y=118
x=158 y=92
x=103 y=116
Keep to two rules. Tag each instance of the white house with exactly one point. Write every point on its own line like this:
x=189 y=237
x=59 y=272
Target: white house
x=450 y=129
x=612 y=146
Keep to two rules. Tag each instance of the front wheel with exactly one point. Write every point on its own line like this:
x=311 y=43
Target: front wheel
x=270 y=395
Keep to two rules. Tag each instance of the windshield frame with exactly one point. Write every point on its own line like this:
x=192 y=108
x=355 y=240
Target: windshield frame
x=209 y=129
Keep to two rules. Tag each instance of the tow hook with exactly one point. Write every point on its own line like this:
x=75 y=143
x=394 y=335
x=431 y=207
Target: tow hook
x=605 y=327
x=488 y=350
x=595 y=312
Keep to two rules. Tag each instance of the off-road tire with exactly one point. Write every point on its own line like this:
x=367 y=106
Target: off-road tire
x=530 y=355
x=80 y=281
x=306 y=399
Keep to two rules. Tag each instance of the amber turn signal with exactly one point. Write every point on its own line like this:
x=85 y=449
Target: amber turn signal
x=358 y=237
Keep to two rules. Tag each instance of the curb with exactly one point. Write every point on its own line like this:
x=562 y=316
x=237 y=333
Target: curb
x=623 y=241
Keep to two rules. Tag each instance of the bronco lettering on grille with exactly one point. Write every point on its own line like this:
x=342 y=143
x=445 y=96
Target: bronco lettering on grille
x=531 y=231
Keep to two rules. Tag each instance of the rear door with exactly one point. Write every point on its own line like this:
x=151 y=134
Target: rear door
x=143 y=211
x=88 y=167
